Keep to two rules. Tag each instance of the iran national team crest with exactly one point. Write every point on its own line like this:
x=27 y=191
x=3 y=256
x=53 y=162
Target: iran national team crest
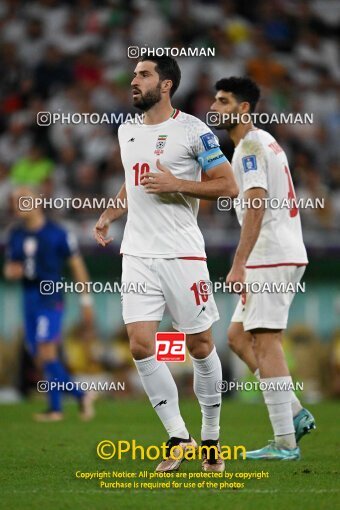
x=160 y=144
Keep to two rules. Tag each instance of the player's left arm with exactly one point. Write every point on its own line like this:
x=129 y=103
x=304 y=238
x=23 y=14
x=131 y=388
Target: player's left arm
x=220 y=182
x=80 y=274
x=203 y=147
x=250 y=231
x=254 y=171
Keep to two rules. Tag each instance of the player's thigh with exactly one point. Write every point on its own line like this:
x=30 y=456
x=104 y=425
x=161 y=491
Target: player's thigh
x=267 y=309
x=142 y=338
x=142 y=296
x=190 y=303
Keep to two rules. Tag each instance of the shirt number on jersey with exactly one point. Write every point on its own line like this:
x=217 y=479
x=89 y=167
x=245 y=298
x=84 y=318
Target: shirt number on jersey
x=140 y=169
x=293 y=211
x=201 y=292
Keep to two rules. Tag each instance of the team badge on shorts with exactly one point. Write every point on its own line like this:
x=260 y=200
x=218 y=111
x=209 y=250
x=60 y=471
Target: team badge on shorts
x=160 y=144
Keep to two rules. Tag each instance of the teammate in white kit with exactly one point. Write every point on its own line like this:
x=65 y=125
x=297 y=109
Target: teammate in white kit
x=163 y=158
x=270 y=249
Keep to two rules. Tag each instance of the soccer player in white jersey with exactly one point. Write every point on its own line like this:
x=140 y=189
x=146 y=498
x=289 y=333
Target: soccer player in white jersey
x=163 y=159
x=270 y=249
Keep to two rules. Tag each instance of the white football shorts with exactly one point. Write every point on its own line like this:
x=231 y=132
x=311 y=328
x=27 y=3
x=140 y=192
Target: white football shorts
x=172 y=283
x=268 y=309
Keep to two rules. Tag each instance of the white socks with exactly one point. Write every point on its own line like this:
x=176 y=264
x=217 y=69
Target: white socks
x=295 y=402
x=207 y=372
x=279 y=404
x=161 y=389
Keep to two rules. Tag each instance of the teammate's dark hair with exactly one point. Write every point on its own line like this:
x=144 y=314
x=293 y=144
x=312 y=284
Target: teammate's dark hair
x=244 y=89
x=167 y=68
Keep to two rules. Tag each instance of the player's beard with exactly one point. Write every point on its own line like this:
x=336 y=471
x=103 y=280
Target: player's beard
x=229 y=125
x=149 y=99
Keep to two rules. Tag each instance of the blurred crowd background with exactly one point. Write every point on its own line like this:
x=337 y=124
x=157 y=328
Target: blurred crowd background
x=71 y=56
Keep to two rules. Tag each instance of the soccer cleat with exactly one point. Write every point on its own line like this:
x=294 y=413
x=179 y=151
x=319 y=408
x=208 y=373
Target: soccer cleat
x=304 y=423
x=86 y=407
x=274 y=452
x=177 y=447
x=48 y=416
x=212 y=460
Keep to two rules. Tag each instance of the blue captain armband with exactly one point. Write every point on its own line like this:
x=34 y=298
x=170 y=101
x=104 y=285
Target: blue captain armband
x=211 y=158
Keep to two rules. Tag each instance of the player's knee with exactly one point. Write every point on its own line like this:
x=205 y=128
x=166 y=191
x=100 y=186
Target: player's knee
x=140 y=349
x=47 y=351
x=200 y=345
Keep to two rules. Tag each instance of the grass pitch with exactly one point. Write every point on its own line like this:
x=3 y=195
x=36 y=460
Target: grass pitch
x=39 y=460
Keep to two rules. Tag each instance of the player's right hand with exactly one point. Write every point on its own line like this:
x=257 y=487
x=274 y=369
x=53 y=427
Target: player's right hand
x=100 y=231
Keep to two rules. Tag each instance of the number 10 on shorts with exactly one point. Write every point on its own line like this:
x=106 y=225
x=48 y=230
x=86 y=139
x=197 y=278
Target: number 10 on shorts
x=170 y=346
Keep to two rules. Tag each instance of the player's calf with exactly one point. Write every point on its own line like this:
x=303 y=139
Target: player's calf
x=207 y=375
x=240 y=342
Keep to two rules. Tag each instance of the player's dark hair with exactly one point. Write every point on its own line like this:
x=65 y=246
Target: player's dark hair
x=244 y=89
x=167 y=68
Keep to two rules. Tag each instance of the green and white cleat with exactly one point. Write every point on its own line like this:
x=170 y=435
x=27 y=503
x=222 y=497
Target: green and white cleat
x=304 y=423
x=273 y=452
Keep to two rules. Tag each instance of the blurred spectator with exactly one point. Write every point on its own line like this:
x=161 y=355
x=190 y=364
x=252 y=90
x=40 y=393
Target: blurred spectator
x=16 y=141
x=264 y=68
x=33 y=44
x=310 y=185
x=237 y=28
x=302 y=344
x=35 y=168
x=52 y=72
x=277 y=26
x=5 y=189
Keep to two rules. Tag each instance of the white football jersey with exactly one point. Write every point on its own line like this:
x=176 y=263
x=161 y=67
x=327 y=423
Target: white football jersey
x=165 y=225
x=260 y=162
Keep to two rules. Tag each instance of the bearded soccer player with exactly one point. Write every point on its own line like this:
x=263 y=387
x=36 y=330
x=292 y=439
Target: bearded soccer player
x=270 y=249
x=163 y=158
